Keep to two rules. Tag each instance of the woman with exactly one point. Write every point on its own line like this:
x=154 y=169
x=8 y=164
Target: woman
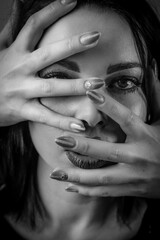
x=54 y=213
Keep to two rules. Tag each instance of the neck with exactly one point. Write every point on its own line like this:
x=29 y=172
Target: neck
x=62 y=205
x=72 y=216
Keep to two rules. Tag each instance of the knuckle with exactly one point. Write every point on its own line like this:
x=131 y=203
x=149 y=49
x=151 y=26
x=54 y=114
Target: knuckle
x=61 y=123
x=142 y=190
x=105 y=180
x=74 y=177
x=33 y=20
x=42 y=117
x=105 y=194
x=71 y=44
x=43 y=55
x=114 y=109
x=74 y=88
x=129 y=119
x=115 y=155
x=52 y=7
x=84 y=147
x=46 y=87
x=86 y=192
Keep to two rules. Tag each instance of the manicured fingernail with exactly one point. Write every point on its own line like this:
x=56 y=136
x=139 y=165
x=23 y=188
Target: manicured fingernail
x=95 y=97
x=77 y=127
x=66 y=142
x=67 y=2
x=93 y=84
x=90 y=38
x=72 y=189
x=59 y=175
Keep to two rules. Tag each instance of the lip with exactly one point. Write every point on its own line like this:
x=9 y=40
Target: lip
x=86 y=162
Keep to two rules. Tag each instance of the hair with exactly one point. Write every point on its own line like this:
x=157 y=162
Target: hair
x=18 y=165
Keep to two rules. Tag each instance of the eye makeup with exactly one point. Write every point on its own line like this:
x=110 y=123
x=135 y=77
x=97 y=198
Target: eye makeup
x=123 y=82
x=58 y=72
x=120 y=82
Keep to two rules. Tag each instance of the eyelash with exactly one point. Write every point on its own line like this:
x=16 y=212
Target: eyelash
x=134 y=81
x=111 y=85
x=59 y=75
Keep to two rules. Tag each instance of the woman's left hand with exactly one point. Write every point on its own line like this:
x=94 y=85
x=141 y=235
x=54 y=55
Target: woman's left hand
x=137 y=172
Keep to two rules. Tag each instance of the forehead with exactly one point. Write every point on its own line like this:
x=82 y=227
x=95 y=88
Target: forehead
x=116 y=43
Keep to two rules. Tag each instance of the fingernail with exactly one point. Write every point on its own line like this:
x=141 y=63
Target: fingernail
x=77 y=127
x=67 y=2
x=71 y=189
x=95 y=97
x=59 y=175
x=66 y=142
x=93 y=84
x=89 y=38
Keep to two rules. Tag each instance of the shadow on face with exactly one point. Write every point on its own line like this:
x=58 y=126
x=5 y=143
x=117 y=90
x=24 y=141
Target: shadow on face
x=114 y=59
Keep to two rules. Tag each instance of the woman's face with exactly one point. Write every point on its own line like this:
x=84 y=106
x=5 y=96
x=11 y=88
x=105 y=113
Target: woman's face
x=114 y=59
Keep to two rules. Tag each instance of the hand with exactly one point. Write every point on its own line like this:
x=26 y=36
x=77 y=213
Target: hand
x=137 y=172
x=20 y=87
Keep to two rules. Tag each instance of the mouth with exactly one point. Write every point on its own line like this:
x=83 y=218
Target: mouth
x=86 y=162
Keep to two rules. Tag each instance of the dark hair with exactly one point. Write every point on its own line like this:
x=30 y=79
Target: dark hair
x=18 y=165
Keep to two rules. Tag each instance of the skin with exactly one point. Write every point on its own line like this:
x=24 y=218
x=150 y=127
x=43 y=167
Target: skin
x=115 y=46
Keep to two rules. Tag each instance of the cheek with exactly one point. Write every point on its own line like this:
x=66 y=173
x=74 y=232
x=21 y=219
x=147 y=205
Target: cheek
x=137 y=103
x=63 y=105
x=43 y=139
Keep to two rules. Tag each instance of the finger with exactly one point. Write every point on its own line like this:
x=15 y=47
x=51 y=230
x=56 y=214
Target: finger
x=57 y=51
x=107 y=191
x=38 y=22
x=117 y=174
x=53 y=87
x=130 y=123
x=112 y=152
x=35 y=112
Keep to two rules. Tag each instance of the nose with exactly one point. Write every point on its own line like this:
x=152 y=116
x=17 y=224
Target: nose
x=87 y=112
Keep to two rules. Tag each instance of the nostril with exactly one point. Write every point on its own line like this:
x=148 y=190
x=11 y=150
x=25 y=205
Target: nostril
x=101 y=124
x=85 y=123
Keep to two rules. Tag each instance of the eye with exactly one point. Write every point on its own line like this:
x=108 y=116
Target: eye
x=60 y=75
x=124 y=84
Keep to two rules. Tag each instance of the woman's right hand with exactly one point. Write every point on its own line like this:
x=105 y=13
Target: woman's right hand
x=20 y=87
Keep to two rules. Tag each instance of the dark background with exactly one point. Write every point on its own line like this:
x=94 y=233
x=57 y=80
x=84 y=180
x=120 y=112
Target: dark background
x=5 y=8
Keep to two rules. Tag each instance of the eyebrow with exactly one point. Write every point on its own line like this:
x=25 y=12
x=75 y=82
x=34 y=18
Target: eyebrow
x=71 y=65
x=122 y=66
